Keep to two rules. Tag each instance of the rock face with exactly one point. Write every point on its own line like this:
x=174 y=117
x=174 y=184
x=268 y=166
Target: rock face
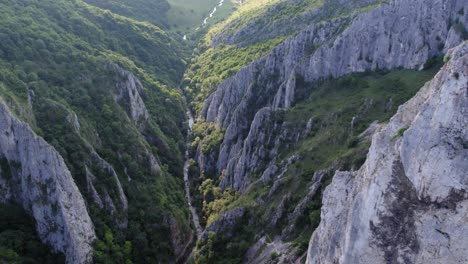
x=409 y=202
x=262 y=28
x=403 y=34
x=267 y=134
x=129 y=94
x=108 y=196
x=34 y=175
x=301 y=207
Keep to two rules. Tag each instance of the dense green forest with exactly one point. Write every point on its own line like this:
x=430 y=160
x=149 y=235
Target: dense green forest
x=143 y=10
x=57 y=58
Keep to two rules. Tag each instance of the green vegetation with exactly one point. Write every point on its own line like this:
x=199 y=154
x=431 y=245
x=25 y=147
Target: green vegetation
x=400 y=133
x=143 y=10
x=220 y=248
x=186 y=16
x=215 y=200
x=178 y=16
x=107 y=251
x=208 y=135
x=266 y=12
x=332 y=144
x=213 y=65
x=56 y=59
x=266 y=19
x=250 y=10
x=19 y=242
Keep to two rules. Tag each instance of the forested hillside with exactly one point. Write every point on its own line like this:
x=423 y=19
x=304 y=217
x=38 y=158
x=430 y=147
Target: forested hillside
x=142 y=10
x=63 y=70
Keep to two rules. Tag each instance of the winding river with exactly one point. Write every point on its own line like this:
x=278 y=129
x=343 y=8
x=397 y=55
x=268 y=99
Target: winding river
x=213 y=12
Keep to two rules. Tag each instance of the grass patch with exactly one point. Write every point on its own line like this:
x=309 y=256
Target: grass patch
x=400 y=133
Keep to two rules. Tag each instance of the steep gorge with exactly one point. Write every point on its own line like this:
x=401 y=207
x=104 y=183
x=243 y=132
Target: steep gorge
x=263 y=154
x=99 y=146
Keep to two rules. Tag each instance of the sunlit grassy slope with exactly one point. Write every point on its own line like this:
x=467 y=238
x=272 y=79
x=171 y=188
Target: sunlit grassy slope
x=185 y=16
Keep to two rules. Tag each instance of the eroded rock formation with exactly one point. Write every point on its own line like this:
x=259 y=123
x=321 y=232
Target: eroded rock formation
x=408 y=202
x=391 y=35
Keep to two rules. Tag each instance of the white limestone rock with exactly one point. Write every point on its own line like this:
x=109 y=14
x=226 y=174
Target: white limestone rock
x=394 y=34
x=40 y=181
x=409 y=202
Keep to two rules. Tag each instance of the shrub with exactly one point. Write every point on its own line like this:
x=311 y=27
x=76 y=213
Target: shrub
x=274 y=255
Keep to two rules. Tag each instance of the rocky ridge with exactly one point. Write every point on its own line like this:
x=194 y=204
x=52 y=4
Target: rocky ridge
x=408 y=202
x=404 y=34
x=269 y=24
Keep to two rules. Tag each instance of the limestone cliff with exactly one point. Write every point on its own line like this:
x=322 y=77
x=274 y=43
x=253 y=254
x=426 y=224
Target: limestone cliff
x=34 y=175
x=408 y=202
x=390 y=35
x=129 y=94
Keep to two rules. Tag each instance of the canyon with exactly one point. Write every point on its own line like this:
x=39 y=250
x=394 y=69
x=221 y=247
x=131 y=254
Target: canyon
x=292 y=131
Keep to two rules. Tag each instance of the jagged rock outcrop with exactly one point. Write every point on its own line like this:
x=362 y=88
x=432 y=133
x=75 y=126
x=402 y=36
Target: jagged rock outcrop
x=112 y=197
x=268 y=133
x=408 y=202
x=275 y=173
x=370 y=131
x=34 y=175
x=129 y=93
x=279 y=211
x=109 y=196
x=302 y=205
x=403 y=34
x=180 y=238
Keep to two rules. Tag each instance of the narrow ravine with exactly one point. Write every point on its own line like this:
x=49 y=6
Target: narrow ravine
x=193 y=211
x=191 y=120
